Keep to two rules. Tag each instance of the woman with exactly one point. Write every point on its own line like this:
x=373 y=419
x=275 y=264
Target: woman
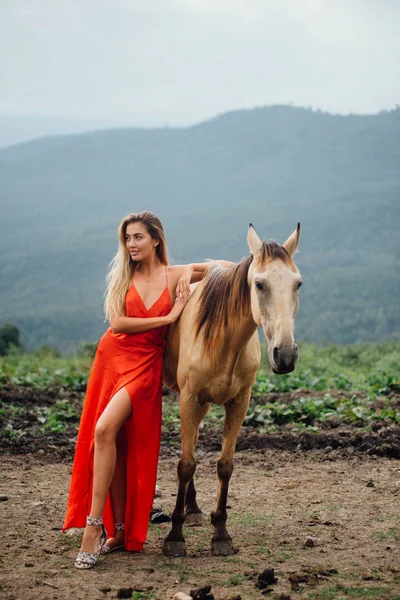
x=115 y=466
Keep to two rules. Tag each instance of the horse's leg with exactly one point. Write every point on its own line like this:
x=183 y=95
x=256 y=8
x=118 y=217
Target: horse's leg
x=194 y=516
x=174 y=543
x=235 y=412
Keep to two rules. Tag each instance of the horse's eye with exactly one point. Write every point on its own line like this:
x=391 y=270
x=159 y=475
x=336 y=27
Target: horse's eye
x=259 y=285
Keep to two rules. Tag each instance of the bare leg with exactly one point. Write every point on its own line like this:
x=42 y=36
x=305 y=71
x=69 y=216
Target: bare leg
x=118 y=490
x=235 y=412
x=114 y=416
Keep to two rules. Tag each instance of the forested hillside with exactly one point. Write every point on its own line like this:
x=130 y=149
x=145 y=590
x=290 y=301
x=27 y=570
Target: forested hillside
x=63 y=197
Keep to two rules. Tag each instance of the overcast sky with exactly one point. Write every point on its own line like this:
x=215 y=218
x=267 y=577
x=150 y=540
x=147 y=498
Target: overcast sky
x=175 y=62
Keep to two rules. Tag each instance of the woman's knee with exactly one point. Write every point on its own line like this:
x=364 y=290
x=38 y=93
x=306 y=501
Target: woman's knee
x=104 y=434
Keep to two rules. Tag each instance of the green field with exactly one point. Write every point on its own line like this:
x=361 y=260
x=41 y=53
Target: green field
x=356 y=385
x=314 y=458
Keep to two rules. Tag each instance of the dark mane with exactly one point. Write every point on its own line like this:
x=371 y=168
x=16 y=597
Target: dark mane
x=225 y=298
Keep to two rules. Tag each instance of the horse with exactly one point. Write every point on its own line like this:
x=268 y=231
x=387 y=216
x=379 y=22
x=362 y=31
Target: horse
x=212 y=357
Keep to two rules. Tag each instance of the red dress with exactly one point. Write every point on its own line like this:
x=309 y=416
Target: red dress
x=133 y=361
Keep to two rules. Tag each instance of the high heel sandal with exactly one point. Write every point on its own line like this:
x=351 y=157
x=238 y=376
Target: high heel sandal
x=106 y=549
x=87 y=560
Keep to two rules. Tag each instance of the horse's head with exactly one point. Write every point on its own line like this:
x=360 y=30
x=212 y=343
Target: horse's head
x=274 y=282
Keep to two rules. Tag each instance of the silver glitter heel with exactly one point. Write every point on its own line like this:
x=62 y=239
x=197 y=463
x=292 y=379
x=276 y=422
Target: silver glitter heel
x=87 y=560
x=106 y=548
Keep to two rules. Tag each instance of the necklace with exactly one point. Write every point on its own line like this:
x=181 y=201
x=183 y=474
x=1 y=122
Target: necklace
x=149 y=279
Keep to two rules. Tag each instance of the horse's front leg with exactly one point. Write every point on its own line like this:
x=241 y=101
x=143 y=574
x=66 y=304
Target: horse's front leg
x=235 y=412
x=194 y=515
x=174 y=543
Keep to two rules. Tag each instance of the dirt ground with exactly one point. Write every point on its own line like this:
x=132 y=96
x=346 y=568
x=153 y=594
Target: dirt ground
x=347 y=508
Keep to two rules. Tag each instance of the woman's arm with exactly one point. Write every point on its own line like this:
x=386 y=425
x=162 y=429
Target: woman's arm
x=138 y=325
x=201 y=268
x=192 y=273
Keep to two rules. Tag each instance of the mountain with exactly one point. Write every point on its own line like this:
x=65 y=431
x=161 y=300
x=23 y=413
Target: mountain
x=16 y=129
x=63 y=197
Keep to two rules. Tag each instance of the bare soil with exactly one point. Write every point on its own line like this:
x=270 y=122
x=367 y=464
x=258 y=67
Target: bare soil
x=320 y=507
x=329 y=526
x=337 y=437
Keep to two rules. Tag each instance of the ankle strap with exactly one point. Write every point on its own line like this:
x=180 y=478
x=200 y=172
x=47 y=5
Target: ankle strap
x=94 y=521
x=119 y=526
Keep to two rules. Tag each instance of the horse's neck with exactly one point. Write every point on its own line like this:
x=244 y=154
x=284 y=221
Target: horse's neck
x=236 y=341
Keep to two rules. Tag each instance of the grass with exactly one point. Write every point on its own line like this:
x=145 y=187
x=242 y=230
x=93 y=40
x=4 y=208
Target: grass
x=28 y=370
x=364 y=378
x=263 y=550
x=58 y=417
x=235 y=580
x=306 y=411
x=251 y=520
x=285 y=555
x=340 y=592
x=67 y=542
x=348 y=368
x=392 y=534
x=357 y=366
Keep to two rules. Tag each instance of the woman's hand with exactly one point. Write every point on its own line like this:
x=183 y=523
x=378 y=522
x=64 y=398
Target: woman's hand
x=183 y=286
x=176 y=310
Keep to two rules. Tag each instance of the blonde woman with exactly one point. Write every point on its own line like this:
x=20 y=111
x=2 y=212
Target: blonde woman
x=115 y=465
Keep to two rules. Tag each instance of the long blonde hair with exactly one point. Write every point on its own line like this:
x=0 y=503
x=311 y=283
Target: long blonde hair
x=122 y=267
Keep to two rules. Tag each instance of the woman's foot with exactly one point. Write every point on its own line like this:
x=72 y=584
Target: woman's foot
x=93 y=539
x=117 y=541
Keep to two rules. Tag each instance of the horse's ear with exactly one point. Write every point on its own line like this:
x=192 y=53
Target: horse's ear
x=291 y=243
x=253 y=240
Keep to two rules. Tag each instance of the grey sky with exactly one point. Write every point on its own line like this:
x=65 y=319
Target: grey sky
x=156 y=62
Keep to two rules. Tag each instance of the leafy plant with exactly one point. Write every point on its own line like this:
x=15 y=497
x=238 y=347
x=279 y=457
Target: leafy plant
x=59 y=416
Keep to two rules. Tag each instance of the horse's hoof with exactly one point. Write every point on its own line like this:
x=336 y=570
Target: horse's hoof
x=174 y=548
x=195 y=520
x=222 y=548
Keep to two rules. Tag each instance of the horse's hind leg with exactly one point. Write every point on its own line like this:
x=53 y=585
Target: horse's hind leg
x=194 y=516
x=235 y=412
x=174 y=543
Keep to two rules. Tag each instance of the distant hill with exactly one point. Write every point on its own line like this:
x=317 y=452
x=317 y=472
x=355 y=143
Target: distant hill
x=16 y=129
x=63 y=197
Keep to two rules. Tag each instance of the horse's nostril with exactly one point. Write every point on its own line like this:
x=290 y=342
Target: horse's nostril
x=275 y=355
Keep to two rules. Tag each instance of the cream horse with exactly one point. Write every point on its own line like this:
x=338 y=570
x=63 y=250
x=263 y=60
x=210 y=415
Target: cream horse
x=212 y=356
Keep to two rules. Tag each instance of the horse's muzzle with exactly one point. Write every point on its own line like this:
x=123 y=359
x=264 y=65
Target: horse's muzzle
x=284 y=359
